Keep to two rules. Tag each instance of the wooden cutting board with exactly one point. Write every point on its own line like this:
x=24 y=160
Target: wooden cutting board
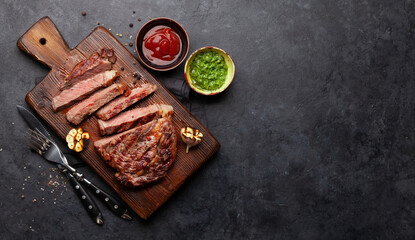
x=44 y=42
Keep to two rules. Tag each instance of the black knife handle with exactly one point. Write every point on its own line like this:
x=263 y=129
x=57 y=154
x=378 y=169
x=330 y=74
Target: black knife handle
x=86 y=200
x=111 y=202
x=116 y=206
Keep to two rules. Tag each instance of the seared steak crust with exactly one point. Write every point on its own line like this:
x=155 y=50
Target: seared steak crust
x=88 y=106
x=122 y=102
x=89 y=67
x=141 y=155
x=83 y=89
x=133 y=117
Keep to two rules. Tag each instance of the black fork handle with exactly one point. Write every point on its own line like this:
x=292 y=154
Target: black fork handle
x=116 y=206
x=88 y=203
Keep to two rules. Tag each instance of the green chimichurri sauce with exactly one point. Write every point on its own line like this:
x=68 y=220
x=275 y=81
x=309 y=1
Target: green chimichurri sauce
x=208 y=70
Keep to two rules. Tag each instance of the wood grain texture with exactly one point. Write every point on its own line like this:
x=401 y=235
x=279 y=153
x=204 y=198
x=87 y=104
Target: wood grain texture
x=56 y=54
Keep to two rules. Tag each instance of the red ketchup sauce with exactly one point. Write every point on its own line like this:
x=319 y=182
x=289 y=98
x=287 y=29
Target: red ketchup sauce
x=161 y=45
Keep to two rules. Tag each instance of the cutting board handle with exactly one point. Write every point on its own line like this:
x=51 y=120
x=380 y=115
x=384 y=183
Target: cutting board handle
x=44 y=42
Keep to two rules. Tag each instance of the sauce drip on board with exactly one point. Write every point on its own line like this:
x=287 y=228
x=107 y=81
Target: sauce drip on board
x=161 y=45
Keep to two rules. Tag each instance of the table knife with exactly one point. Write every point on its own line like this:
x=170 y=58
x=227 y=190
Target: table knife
x=116 y=206
x=83 y=195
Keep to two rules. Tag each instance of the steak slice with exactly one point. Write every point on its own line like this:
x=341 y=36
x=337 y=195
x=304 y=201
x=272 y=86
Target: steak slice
x=83 y=89
x=89 y=67
x=122 y=102
x=134 y=117
x=141 y=155
x=88 y=106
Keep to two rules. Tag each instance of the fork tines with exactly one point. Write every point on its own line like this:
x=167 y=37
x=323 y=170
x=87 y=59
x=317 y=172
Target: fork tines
x=37 y=141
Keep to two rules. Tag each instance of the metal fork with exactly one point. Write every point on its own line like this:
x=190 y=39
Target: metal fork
x=50 y=151
x=46 y=148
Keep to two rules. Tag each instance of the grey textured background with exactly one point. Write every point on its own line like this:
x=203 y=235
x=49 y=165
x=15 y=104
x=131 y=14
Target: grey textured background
x=317 y=129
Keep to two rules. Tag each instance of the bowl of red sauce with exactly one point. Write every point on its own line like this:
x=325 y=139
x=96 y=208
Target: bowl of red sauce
x=162 y=44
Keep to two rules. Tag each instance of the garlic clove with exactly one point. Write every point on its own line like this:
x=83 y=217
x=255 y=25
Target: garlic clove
x=191 y=137
x=85 y=135
x=78 y=147
x=73 y=132
x=69 y=138
x=75 y=139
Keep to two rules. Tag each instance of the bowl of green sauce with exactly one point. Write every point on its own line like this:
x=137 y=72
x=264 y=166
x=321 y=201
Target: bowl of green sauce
x=209 y=70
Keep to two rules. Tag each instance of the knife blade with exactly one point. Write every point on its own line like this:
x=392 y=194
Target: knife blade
x=32 y=121
x=111 y=202
x=83 y=195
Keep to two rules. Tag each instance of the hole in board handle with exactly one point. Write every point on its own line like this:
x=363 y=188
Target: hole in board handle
x=42 y=41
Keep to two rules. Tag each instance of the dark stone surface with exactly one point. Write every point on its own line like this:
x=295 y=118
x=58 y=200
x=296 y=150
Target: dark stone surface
x=317 y=129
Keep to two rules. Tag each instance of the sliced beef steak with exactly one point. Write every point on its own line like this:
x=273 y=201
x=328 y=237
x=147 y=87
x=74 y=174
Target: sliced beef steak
x=88 y=106
x=83 y=89
x=141 y=155
x=122 y=102
x=134 y=117
x=89 y=67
